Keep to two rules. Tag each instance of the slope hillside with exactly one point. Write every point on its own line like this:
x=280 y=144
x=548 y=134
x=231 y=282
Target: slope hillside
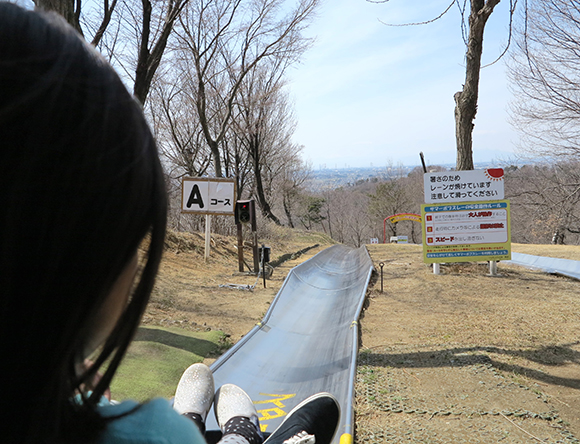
x=192 y=294
x=459 y=357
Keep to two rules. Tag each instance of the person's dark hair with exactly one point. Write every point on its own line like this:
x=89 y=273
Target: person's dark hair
x=81 y=187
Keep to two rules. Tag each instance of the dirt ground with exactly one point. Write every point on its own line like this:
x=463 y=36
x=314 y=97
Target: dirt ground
x=466 y=357
x=458 y=357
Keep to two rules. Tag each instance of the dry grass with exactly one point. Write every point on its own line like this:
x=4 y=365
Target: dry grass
x=188 y=293
x=426 y=330
x=559 y=251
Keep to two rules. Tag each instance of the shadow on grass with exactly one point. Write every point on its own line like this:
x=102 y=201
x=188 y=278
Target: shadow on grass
x=555 y=356
x=200 y=347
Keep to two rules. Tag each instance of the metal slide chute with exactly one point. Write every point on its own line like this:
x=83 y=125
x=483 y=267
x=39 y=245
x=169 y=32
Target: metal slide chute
x=306 y=343
x=564 y=267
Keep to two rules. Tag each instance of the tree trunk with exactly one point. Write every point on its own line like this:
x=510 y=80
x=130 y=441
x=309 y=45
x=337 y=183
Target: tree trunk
x=413 y=232
x=466 y=99
x=217 y=159
x=149 y=60
x=328 y=219
x=254 y=146
x=288 y=212
x=66 y=8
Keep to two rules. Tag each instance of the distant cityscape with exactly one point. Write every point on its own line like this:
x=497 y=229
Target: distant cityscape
x=331 y=178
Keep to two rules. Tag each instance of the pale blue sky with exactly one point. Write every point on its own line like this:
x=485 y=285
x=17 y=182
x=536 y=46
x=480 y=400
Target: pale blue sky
x=368 y=93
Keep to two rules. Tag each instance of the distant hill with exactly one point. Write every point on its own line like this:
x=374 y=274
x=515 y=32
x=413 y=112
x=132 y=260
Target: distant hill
x=331 y=178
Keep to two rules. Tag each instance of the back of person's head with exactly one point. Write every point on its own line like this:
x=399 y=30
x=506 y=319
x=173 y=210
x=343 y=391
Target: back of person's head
x=81 y=186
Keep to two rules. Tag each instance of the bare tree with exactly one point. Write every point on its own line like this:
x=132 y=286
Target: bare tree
x=545 y=70
x=545 y=202
x=153 y=41
x=265 y=123
x=152 y=30
x=227 y=39
x=345 y=212
x=177 y=129
x=466 y=99
x=71 y=11
x=290 y=182
x=389 y=198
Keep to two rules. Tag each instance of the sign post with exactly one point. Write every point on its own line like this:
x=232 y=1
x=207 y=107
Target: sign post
x=208 y=195
x=465 y=218
x=207 y=236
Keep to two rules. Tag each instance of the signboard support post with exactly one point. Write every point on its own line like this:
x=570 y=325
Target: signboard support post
x=436 y=268
x=493 y=268
x=207 y=236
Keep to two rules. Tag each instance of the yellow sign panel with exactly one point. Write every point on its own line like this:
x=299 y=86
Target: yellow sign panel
x=466 y=232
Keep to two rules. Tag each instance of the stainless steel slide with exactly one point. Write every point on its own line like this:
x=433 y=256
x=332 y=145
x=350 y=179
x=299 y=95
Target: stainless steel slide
x=565 y=267
x=307 y=341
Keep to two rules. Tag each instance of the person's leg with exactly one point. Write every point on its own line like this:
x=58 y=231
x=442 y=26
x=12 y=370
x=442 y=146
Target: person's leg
x=314 y=420
x=237 y=416
x=194 y=394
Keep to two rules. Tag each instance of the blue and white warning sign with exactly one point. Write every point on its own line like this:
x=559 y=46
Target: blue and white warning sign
x=208 y=195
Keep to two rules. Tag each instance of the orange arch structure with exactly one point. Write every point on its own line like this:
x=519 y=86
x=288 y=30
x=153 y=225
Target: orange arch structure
x=397 y=218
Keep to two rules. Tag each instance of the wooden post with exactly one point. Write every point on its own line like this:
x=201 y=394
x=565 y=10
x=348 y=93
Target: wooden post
x=263 y=260
x=256 y=254
x=255 y=237
x=240 y=247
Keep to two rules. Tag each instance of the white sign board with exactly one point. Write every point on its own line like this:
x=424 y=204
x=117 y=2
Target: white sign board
x=205 y=195
x=464 y=186
x=400 y=239
x=374 y=240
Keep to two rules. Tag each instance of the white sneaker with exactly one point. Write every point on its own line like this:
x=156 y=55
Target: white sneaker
x=231 y=401
x=195 y=391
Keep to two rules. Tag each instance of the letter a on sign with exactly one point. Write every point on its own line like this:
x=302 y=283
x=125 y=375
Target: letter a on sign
x=195 y=197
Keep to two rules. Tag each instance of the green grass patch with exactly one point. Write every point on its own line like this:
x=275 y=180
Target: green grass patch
x=157 y=358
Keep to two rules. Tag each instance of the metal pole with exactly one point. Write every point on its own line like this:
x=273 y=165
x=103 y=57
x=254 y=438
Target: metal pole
x=264 y=265
x=207 y=236
x=436 y=269
x=381 y=264
x=493 y=268
x=423 y=162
